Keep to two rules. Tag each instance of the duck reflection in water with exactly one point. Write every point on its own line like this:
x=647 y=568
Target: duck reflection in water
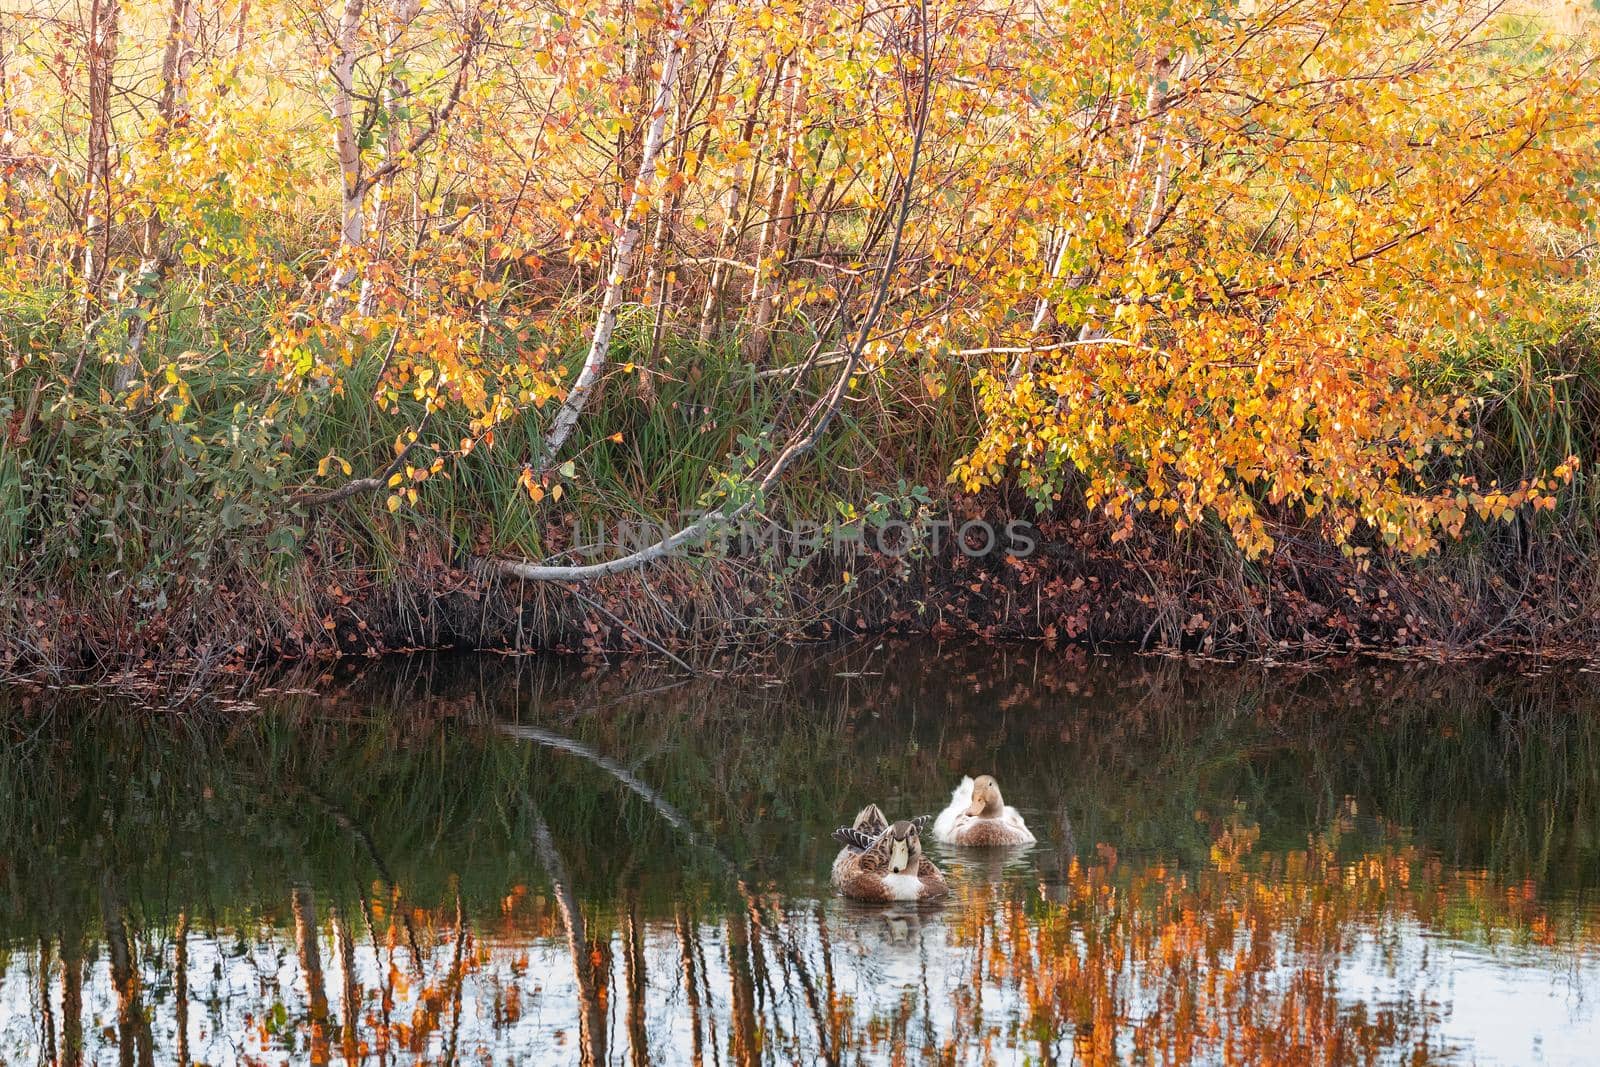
x=880 y=927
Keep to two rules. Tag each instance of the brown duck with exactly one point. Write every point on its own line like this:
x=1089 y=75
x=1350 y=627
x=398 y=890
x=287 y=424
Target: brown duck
x=882 y=862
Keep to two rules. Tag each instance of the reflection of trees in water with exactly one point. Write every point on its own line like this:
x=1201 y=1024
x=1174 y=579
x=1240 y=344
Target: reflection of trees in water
x=631 y=877
x=1134 y=959
x=1245 y=964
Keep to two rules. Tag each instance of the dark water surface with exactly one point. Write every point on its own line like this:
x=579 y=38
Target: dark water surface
x=529 y=861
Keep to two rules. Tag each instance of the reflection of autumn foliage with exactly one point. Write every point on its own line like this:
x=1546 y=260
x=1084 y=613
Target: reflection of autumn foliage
x=1232 y=865
x=1241 y=961
x=1245 y=960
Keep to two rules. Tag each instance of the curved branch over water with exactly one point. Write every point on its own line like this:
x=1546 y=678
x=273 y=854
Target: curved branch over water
x=820 y=416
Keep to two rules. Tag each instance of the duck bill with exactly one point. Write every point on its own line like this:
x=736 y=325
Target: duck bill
x=899 y=857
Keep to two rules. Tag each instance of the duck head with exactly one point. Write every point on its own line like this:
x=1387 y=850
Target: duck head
x=986 y=802
x=905 y=848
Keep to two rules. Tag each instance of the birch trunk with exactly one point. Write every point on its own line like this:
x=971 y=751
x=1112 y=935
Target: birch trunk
x=732 y=227
x=622 y=257
x=395 y=91
x=352 y=222
x=1160 y=93
x=1023 y=362
x=767 y=292
x=102 y=34
x=159 y=256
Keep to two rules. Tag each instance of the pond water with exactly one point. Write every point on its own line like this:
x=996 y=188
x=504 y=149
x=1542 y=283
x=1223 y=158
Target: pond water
x=488 y=860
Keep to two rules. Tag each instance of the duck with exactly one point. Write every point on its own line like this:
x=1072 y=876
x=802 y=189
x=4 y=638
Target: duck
x=887 y=865
x=978 y=816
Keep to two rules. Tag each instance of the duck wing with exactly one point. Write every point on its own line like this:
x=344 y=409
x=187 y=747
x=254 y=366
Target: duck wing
x=875 y=859
x=960 y=800
x=871 y=821
x=850 y=837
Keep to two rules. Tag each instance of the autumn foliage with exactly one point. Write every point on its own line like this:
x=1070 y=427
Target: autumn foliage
x=1214 y=265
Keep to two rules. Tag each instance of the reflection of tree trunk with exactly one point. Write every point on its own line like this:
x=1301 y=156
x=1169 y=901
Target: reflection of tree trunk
x=744 y=1045
x=180 y=985
x=1069 y=844
x=761 y=975
x=977 y=978
x=687 y=933
x=591 y=1008
x=47 y=1017
x=133 y=1031
x=638 y=786
x=707 y=997
x=71 y=1000
x=350 y=1007
x=825 y=939
x=457 y=979
x=359 y=832
x=385 y=977
x=784 y=942
x=304 y=903
x=633 y=964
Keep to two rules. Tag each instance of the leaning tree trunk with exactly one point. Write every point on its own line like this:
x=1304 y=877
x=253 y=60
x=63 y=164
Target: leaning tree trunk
x=675 y=17
x=102 y=54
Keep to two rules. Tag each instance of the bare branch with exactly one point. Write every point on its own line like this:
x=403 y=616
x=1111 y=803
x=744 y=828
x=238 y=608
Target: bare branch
x=822 y=412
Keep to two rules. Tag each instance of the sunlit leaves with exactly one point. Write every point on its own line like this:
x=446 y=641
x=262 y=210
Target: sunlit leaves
x=1264 y=228
x=1196 y=265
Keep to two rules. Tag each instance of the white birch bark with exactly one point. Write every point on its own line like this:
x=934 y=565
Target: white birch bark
x=395 y=91
x=102 y=48
x=159 y=256
x=627 y=240
x=352 y=221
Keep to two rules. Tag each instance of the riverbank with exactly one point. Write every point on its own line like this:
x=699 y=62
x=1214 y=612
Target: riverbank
x=1507 y=594
x=348 y=338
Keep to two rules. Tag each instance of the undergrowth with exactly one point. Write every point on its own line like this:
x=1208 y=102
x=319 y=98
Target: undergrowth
x=133 y=528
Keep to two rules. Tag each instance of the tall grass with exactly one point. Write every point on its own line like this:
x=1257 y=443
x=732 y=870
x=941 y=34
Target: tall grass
x=150 y=509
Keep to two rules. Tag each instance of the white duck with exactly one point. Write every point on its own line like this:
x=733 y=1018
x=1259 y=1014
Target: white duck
x=977 y=816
